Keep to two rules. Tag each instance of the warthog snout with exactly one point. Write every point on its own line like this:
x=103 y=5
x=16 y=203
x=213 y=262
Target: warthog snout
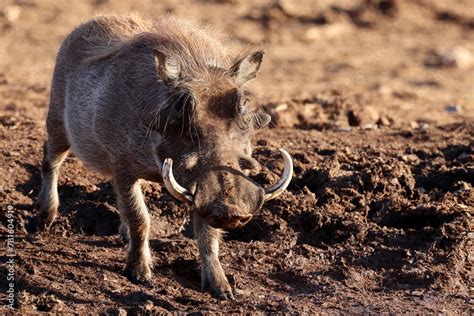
x=225 y=197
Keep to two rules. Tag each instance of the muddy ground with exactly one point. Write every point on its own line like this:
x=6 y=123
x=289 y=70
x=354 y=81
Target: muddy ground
x=374 y=100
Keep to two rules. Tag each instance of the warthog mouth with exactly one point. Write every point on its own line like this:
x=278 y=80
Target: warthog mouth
x=233 y=221
x=185 y=195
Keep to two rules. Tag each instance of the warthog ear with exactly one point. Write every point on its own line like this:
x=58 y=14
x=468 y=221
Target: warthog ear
x=168 y=68
x=246 y=69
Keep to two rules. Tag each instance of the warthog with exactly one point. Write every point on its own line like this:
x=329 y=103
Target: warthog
x=129 y=97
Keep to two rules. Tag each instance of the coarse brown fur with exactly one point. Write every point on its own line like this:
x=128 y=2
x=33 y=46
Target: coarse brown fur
x=128 y=93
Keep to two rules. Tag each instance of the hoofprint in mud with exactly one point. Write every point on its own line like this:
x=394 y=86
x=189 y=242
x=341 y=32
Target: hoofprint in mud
x=129 y=97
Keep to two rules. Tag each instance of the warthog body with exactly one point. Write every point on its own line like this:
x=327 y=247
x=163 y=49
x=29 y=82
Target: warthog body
x=127 y=94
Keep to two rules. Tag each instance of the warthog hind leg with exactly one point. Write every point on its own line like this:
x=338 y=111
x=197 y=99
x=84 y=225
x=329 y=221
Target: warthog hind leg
x=55 y=151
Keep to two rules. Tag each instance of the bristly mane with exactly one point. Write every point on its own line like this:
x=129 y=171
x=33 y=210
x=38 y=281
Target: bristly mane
x=195 y=49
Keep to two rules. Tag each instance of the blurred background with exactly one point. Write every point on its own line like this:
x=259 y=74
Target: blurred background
x=403 y=57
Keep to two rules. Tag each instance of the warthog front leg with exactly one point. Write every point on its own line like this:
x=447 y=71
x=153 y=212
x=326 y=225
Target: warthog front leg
x=133 y=210
x=212 y=274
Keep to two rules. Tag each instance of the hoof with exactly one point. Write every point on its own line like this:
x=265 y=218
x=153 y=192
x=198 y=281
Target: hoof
x=140 y=273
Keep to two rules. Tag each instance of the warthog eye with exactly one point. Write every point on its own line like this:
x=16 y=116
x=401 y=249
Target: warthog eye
x=241 y=112
x=239 y=105
x=244 y=120
x=242 y=107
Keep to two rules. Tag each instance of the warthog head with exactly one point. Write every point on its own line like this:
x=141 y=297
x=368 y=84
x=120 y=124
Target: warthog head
x=208 y=133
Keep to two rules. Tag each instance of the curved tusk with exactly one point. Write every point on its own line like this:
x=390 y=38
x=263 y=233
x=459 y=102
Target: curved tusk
x=285 y=180
x=176 y=190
